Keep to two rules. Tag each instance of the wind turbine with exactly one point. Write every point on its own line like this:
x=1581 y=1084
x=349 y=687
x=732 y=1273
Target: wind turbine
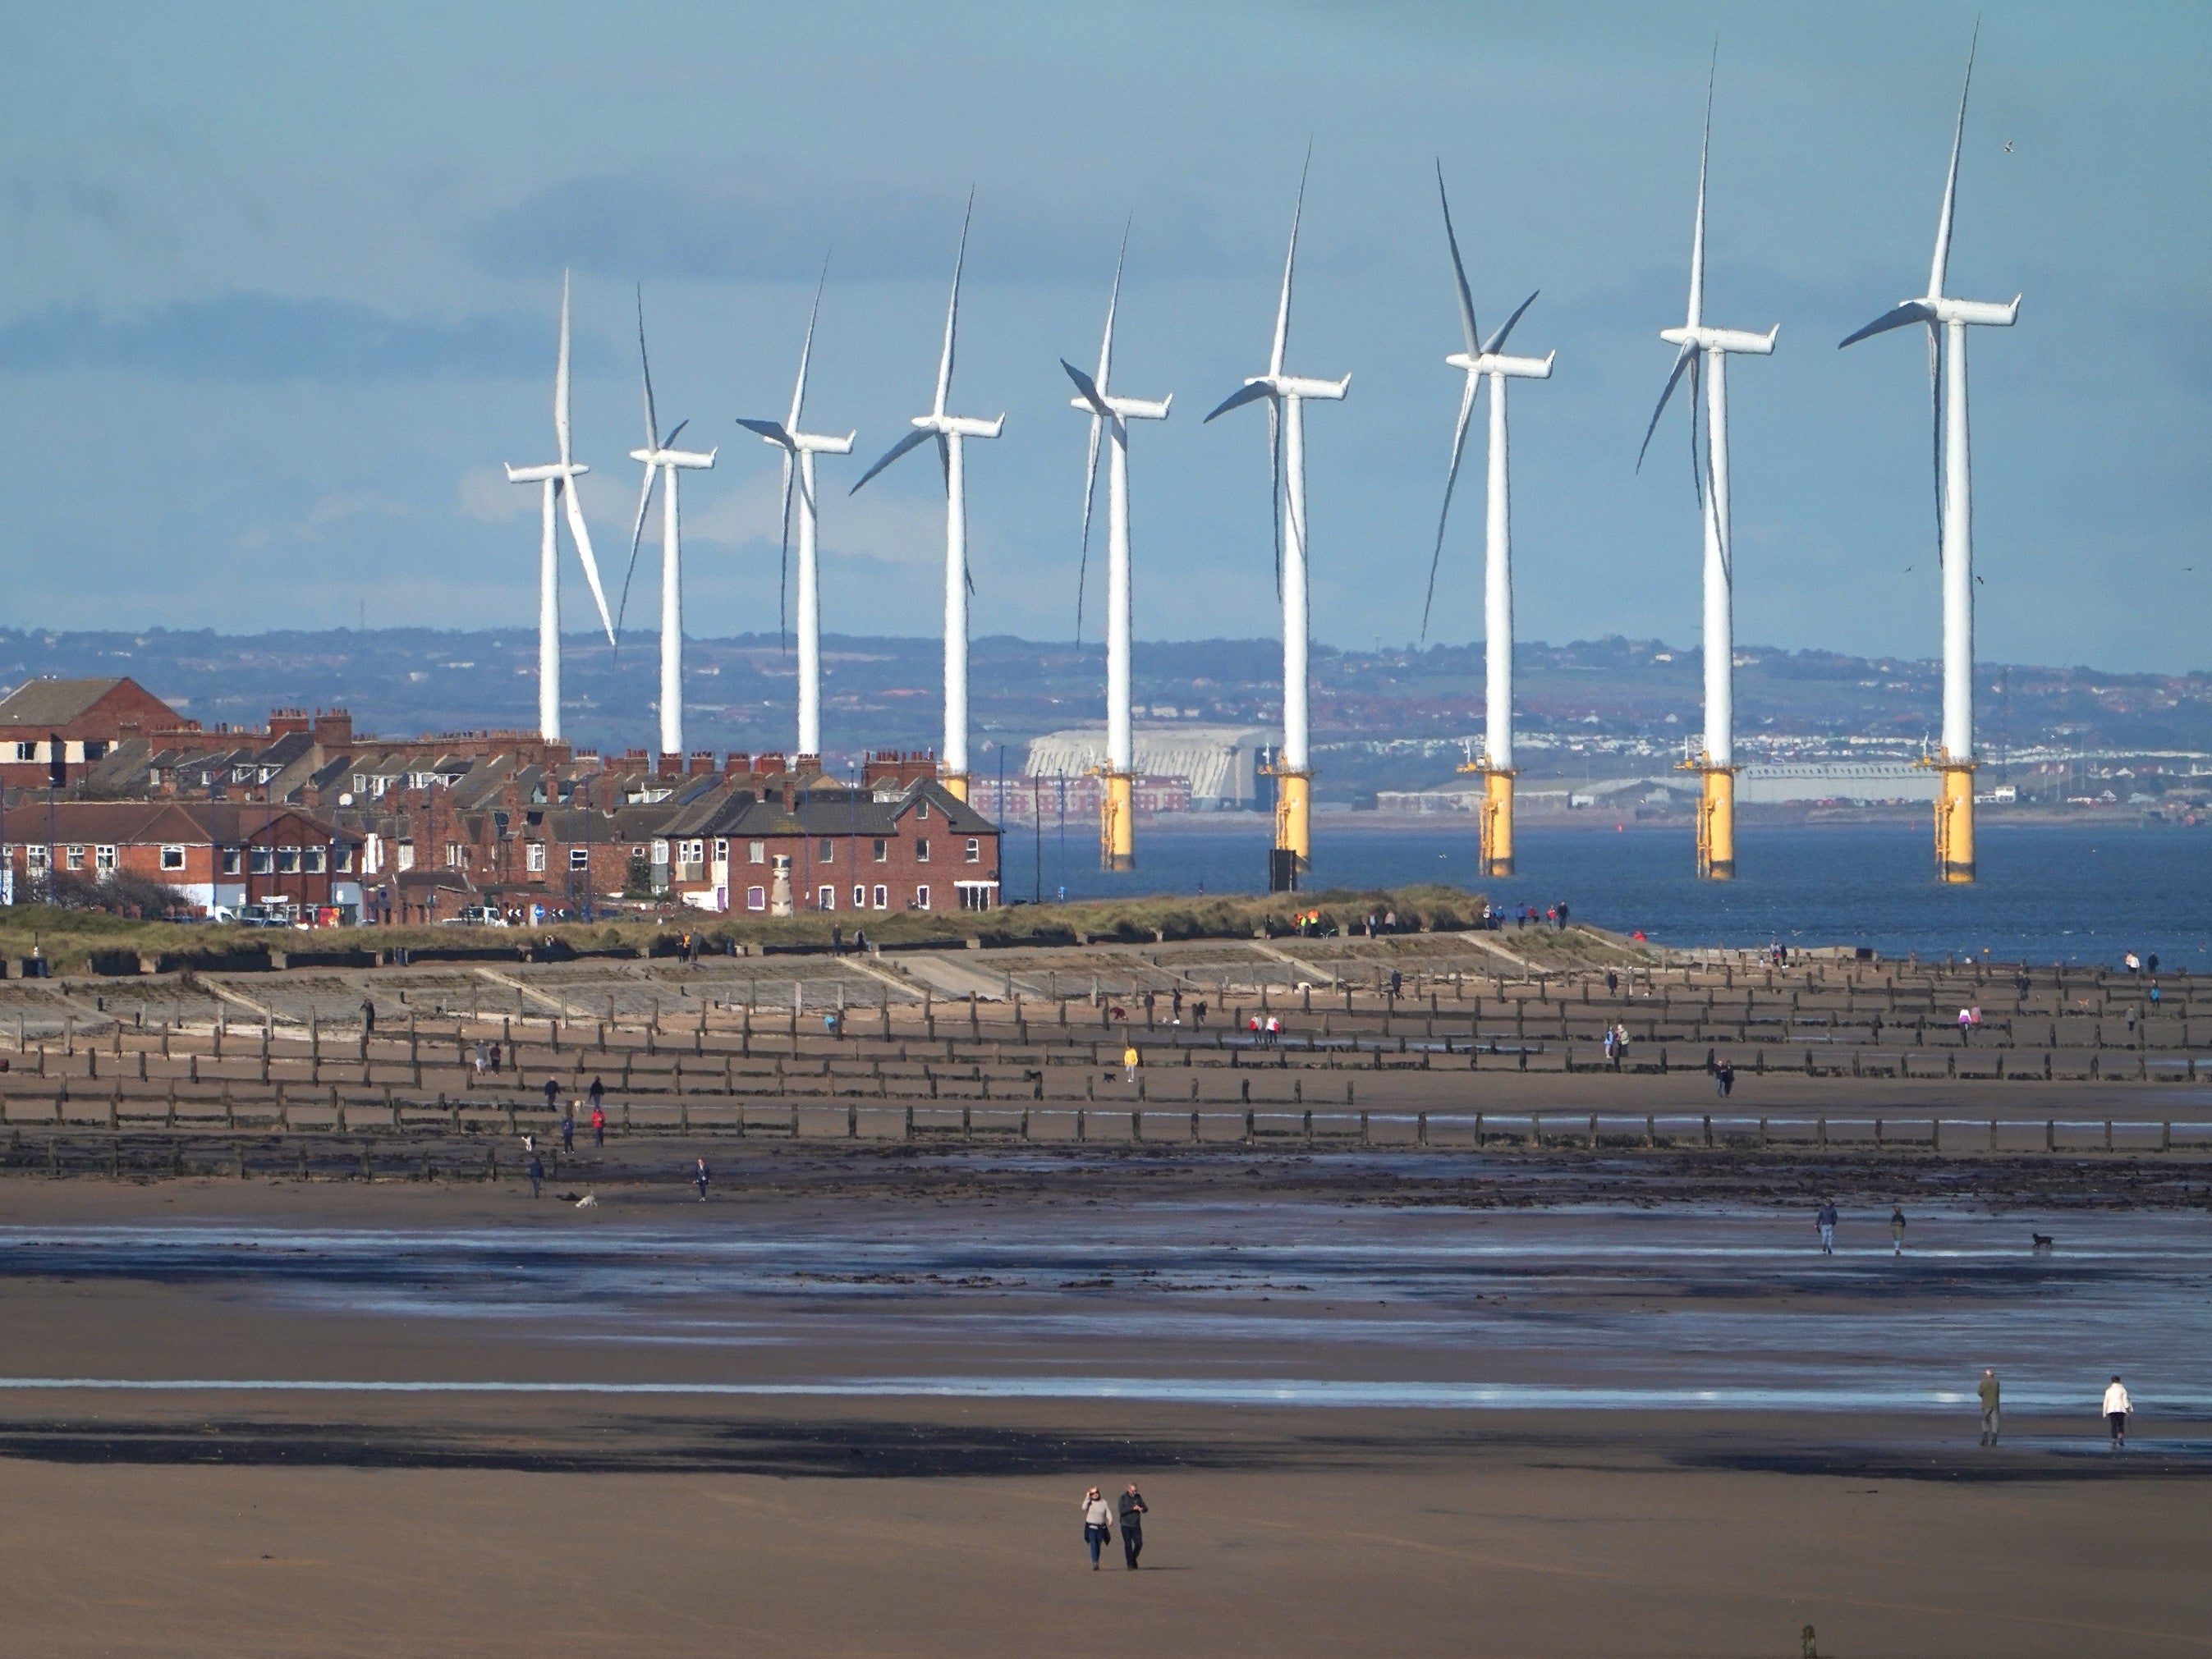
x=558 y=479
x=1286 y=396
x=1947 y=320
x=1704 y=351
x=1483 y=360
x=662 y=461
x=1110 y=416
x=950 y=431
x=799 y=448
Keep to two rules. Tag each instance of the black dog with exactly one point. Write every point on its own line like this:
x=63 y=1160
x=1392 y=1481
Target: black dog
x=2040 y=1241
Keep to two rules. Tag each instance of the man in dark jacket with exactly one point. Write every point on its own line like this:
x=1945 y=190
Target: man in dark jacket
x=1132 y=1525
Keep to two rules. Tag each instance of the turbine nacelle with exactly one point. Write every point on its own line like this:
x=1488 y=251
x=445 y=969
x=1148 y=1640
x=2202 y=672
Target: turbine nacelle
x=543 y=474
x=1492 y=362
x=959 y=426
x=812 y=443
x=1298 y=386
x=1125 y=409
x=1722 y=339
x=687 y=458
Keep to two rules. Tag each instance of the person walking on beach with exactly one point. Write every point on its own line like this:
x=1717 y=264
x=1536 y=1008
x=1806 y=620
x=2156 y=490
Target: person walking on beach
x=598 y=1124
x=700 y=1175
x=597 y=1093
x=552 y=1096
x=1134 y=1511
x=569 y=1129
x=537 y=1174
x=1724 y=1078
x=368 y=1017
x=1826 y=1221
x=1097 y=1523
x=1897 y=1229
x=1991 y=1416
x=2118 y=1408
x=1129 y=1058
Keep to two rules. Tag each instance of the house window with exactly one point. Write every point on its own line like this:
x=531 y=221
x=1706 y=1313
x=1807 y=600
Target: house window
x=921 y=850
x=695 y=852
x=757 y=852
x=660 y=851
x=360 y=783
x=96 y=749
x=828 y=853
x=344 y=860
x=103 y=859
x=756 y=898
x=260 y=860
x=859 y=898
x=287 y=860
x=73 y=857
x=230 y=860
x=721 y=850
x=38 y=858
x=172 y=858
x=883 y=851
x=826 y=899
x=312 y=860
x=922 y=898
x=974 y=850
x=404 y=855
x=579 y=858
x=457 y=856
x=921 y=809
x=882 y=898
x=534 y=856
x=27 y=751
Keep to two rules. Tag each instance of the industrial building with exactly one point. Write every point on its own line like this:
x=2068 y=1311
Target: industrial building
x=1221 y=763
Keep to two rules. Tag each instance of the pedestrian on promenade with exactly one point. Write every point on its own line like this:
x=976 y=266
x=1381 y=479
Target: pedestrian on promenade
x=1563 y=912
x=1129 y=1064
x=701 y=1176
x=1609 y=1046
x=478 y=1062
x=368 y=1017
x=1176 y=1006
x=1991 y=1416
x=1612 y=983
x=1397 y=983
x=537 y=1174
x=569 y=1129
x=597 y=1093
x=1197 y=1015
x=1097 y=1523
x=1724 y=1078
x=552 y=1096
x=599 y=1126
x=2117 y=1409
x=1134 y=1511
x=1826 y=1221
x=1896 y=1230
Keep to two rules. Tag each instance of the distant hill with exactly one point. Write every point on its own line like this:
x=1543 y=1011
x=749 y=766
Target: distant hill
x=1387 y=719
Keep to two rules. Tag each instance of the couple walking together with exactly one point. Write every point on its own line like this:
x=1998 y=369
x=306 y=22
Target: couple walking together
x=1098 y=1524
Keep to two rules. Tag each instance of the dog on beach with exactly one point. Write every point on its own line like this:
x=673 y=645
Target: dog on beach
x=2041 y=1242
x=588 y=1201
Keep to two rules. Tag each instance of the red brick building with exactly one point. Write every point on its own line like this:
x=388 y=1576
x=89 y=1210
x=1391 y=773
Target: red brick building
x=215 y=854
x=88 y=719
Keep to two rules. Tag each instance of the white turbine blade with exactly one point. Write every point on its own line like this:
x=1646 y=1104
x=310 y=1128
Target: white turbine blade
x=952 y=312
x=1682 y=361
x=806 y=348
x=1289 y=259
x=783 y=559
x=1090 y=496
x=1701 y=459
x=1451 y=477
x=1275 y=483
x=1940 y=266
x=651 y=421
x=1113 y=300
x=670 y=441
x=945 y=460
x=637 y=539
x=582 y=538
x=1912 y=311
x=774 y=431
x=1467 y=328
x=1237 y=399
x=1698 y=231
x=560 y=377
x=1936 y=419
x=913 y=440
x=1497 y=342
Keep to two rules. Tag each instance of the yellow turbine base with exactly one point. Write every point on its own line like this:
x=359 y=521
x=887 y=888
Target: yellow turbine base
x=1496 y=822
x=1294 y=815
x=955 y=785
x=1117 y=826
x=1954 y=823
x=1716 y=823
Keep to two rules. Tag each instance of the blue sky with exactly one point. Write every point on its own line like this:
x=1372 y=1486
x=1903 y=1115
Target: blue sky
x=277 y=289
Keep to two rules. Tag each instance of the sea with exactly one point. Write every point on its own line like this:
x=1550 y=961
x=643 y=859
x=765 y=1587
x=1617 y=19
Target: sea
x=2076 y=893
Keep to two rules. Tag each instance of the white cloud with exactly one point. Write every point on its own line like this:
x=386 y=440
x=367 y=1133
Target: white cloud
x=321 y=514
x=890 y=528
x=486 y=495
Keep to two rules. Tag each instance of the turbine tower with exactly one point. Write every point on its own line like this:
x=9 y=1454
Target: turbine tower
x=1110 y=416
x=558 y=479
x=1704 y=351
x=1483 y=360
x=1286 y=396
x=662 y=461
x=950 y=431
x=1947 y=320
x=799 y=448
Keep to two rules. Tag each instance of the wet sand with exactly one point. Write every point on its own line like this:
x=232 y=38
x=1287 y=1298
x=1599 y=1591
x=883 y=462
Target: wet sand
x=848 y=1406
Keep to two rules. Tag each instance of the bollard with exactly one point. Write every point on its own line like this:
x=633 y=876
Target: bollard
x=1709 y=1130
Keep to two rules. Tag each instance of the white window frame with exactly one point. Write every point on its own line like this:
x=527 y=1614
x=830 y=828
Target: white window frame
x=974 y=849
x=882 y=898
x=534 y=856
x=403 y=855
x=103 y=860
x=73 y=858
x=827 y=853
x=314 y=861
x=172 y=858
x=755 y=852
x=860 y=896
x=921 y=850
x=38 y=858
x=922 y=896
x=579 y=860
x=756 y=898
x=826 y=899
x=260 y=861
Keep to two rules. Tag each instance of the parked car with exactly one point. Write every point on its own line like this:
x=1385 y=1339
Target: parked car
x=477 y=915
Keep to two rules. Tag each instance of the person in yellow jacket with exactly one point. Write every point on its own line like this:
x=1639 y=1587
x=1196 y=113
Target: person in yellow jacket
x=1129 y=1063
